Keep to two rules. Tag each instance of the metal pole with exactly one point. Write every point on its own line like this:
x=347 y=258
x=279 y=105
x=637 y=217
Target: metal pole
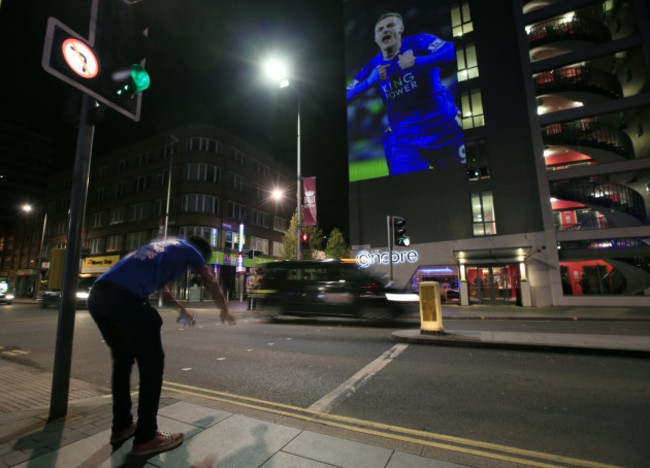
x=389 y=229
x=65 y=328
x=298 y=195
x=40 y=258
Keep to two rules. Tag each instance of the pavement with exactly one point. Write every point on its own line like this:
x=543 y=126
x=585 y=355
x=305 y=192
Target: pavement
x=223 y=430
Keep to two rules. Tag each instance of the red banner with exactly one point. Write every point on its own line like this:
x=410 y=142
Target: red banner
x=309 y=201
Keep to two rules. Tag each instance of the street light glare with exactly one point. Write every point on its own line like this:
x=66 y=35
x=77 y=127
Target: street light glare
x=27 y=208
x=276 y=70
x=276 y=194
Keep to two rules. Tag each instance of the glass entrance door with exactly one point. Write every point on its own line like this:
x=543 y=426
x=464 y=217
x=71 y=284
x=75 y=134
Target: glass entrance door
x=492 y=284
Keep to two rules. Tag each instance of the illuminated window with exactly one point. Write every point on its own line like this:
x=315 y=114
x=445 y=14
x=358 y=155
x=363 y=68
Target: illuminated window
x=466 y=60
x=139 y=211
x=116 y=216
x=461 y=19
x=136 y=239
x=483 y=220
x=200 y=203
x=114 y=243
x=477 y=159
x=96 y=246
x=258 y=243
x=472 y=108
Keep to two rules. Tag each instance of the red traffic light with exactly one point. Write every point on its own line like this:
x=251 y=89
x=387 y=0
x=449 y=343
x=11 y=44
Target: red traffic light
x=305 y=237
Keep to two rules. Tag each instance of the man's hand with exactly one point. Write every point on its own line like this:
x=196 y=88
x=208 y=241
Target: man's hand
x=406 y=60
x=226 y=317
x=383 y=71
x=185 y=317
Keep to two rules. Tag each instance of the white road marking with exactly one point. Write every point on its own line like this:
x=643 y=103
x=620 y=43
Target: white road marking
x=325 y=404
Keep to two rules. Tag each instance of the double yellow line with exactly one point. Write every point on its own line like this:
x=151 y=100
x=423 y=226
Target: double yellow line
x=429 y=439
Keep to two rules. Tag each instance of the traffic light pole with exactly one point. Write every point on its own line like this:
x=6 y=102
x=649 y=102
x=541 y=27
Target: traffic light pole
x=65 y=327
x=389 y=229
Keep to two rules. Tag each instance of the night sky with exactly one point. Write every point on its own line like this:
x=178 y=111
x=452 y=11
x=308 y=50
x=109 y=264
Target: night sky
x=204 y=63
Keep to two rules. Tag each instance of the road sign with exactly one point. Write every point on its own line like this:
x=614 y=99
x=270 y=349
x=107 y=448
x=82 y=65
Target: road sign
x=70 y=57
x=80 y=58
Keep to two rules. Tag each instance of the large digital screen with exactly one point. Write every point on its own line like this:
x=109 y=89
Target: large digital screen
x=402 y=89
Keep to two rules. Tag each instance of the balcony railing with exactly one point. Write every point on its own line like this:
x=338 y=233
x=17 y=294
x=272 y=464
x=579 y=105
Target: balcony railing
x=597 y=192
x=562 y=29
x=589 y=133
x=579 y=78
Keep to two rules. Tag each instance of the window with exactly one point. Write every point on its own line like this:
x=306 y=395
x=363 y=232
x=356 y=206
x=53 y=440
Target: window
x=141 y=159
x=100 y=194
x=168 y=150
x=472 y=108
x=236 y=211
x=160 y=207
x=258 y=243
x=261 y=169
x=280 y=224
x=139 y=211
x=208 y=233
x=122 y=165
x=135 y=240
x=259 y=218
x=118 y=190
x=142 y=183
x=238 y=183
x=477 y=159
x=483 y=214
x=200 y=203
x=96 y=246
x=229 y=241
x=104 y=171
x=116 y=215
x=461 y=19
x=97 y=220
x=202 y=172
x=239 y=157
x=114 y=243
x=466 y=60
x=60 y=227
x=278 y=249
x=209 y=145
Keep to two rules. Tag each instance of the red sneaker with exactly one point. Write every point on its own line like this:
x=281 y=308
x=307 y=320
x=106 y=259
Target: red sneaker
x=124 y=434
x=162 y=442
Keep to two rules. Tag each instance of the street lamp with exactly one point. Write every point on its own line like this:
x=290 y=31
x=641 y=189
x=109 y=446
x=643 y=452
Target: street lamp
x=277 y=71
x=27 y=208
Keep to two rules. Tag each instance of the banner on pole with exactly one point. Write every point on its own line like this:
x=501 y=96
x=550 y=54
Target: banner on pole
x=309 y=201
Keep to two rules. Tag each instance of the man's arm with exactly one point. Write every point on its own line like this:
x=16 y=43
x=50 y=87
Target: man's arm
x=359 y=86
x=435 y=51
x=169 y=297
x=216 y=293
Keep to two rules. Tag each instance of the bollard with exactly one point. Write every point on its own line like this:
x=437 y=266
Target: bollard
x=430 y=309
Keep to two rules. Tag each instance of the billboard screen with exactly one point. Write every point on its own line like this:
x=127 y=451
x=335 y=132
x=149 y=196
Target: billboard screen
x=402 y=89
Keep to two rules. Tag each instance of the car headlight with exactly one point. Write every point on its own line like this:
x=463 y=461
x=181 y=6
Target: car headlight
x=82 y=295
x=9 y=297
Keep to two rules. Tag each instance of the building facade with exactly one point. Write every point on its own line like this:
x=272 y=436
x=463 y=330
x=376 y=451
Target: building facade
x=551 y=205
x=220 y=188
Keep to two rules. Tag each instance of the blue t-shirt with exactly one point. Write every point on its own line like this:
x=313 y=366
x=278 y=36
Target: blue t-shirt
x=152 y=266
x=415 y=98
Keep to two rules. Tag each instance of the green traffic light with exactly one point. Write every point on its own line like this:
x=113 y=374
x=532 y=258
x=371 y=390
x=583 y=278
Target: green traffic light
x=140 y=78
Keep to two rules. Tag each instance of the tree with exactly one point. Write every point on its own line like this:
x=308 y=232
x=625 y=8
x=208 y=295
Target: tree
x=289 y=241
x=336 y=246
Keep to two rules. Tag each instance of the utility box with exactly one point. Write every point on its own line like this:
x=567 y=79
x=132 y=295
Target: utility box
x=430 y=308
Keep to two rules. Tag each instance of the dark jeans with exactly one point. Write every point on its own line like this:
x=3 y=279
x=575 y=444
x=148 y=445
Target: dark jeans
x=131 y=328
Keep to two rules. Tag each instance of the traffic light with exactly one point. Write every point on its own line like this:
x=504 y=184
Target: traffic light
x=122 y=44
x=304 y=240
x=399 y=232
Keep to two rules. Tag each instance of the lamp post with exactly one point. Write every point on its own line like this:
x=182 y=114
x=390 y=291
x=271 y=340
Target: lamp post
x=277 y=71
x=28 y=209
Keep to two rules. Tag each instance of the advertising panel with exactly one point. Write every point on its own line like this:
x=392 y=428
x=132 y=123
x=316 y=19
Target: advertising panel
x=402 y=89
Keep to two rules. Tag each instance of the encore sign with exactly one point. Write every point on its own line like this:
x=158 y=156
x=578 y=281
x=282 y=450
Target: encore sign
x=365 y=259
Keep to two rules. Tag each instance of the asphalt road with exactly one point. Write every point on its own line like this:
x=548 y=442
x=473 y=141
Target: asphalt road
x=594 y=408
